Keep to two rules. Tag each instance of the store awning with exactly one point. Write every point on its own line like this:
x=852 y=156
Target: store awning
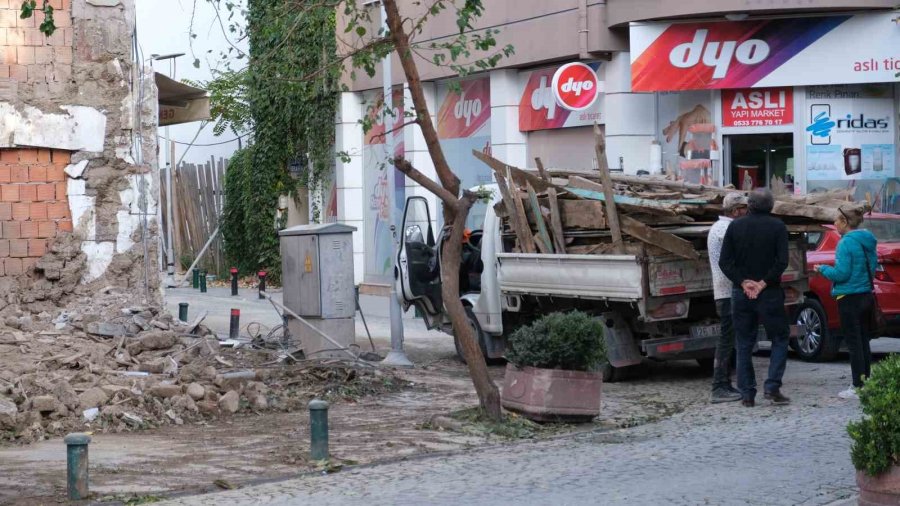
x=179 y=102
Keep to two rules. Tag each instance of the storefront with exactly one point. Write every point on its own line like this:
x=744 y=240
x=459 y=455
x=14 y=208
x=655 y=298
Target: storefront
x=793 y=102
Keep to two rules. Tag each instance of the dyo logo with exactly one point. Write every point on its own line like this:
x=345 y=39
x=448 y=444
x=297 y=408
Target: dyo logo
x=542 y=98
x=718 y=55
x=575 y=86
x=468 y=109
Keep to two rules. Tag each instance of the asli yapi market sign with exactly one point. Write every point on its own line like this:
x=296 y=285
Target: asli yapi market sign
x=758 y=107
x=845 y=49
x=560 y=97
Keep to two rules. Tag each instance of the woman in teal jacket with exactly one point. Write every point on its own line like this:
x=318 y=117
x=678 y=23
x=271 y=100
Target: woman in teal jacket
x=851 y=277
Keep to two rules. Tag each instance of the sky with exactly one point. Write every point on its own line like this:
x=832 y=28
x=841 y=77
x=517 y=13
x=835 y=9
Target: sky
x=164 y=28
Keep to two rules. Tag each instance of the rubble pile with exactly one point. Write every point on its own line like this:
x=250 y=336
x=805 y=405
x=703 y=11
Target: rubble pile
x=103 y=365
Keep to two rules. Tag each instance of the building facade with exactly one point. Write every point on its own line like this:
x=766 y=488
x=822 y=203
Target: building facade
x=799 y=94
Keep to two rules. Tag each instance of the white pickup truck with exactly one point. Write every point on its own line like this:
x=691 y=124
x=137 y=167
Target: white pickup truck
x=659 y=307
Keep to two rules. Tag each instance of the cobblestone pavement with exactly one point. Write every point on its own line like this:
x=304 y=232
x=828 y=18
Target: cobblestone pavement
x=721 y=454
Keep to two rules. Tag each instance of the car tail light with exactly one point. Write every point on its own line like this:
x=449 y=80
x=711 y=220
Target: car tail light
x=882 y=275
x=670 y=310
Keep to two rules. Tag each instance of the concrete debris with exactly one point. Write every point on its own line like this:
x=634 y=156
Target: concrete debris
x=93 y=398
x=165 y=391
x=230 y=402
x=196 y=391
x=105 y=329
x=44 y=403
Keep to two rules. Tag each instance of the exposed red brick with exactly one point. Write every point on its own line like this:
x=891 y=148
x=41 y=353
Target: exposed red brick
x=64 y=225
x=58 y=210
x=2 y=269
x=56 y=173
x=9 y=156
x=11 y=229
x=46 y=229
x=21 y=211
x=18 y=73
x=28 y=193
x=37 y=174
x=19 y=174
x=5 y=174
x=44 y=156
x=18 y=248
x=28 y=263
x=9 y=193
x=28 y=155
x=12 y=266
x=5 y=211
x=4 y=248
x=62 y=190
x=61 y=157
x=29 y=230
x=46 y=192
x=37 y=247
x=38 y=210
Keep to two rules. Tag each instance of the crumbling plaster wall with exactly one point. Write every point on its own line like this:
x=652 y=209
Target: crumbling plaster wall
x=80 y=90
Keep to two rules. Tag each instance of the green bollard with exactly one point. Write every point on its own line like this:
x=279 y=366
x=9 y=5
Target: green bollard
x=183 y=311
x=196 y=277
x=202 y=281
x=318 y=429
x=77 y=465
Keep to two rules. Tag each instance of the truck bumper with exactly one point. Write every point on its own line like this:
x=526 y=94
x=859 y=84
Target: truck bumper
x=686 y=347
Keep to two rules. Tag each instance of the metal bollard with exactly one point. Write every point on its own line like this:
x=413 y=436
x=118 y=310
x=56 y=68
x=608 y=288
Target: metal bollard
x=318 y=429
x=196 y=277
x=77 y=465
x=202 y=281
x=262 y=283
x=234 y=330
x=183 y=311
x=234 y=281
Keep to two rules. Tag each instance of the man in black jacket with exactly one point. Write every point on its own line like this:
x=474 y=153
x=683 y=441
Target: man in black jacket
x=754 y=255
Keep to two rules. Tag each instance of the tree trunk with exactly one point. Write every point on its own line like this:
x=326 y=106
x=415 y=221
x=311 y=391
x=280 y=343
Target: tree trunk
x=456 y=210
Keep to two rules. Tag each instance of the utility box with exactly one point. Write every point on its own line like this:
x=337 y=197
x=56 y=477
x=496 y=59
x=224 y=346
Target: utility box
x=317 y=274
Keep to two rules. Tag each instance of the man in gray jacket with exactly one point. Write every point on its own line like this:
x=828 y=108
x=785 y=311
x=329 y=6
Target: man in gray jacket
x=733 y=206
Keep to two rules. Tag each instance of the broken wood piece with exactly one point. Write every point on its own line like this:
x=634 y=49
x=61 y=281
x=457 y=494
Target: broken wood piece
x=541 y=170
x=527 y=241
x=520 y=228
x=518 y=175
x=559 y=238
x=539 y=221
x=612 y=214
x=664 y=240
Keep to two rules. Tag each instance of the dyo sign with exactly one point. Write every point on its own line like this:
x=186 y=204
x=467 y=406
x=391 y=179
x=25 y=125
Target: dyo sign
x=575 y=86
x=718 y=55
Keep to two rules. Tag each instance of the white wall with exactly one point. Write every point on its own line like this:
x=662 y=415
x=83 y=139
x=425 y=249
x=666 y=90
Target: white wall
x=630 y=117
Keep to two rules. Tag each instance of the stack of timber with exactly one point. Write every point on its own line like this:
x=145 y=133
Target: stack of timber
x=563 y=211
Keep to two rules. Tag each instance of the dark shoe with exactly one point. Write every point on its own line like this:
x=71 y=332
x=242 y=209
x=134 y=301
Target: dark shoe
x=723 y=395
x=748 y=403
x=732 y=389
x=777 y=398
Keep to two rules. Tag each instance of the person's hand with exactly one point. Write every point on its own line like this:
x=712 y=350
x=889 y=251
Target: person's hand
x=752 y=288
x=697 y=115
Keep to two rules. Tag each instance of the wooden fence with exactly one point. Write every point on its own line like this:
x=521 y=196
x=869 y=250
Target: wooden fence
x=198 y=197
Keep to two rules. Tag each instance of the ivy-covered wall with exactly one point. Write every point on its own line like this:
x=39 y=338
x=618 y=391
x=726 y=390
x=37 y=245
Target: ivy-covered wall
x=292 y=95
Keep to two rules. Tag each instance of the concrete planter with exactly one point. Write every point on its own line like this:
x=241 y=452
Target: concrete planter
x=552 y=394
x=881 y=490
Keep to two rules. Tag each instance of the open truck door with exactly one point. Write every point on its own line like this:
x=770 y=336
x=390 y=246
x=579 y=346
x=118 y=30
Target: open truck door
x=417 y=272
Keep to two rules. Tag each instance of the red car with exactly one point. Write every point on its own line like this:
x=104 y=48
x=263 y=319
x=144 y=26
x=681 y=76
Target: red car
x=821 y=342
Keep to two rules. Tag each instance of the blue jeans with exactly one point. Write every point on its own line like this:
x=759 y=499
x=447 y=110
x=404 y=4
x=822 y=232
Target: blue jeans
x=747 y=314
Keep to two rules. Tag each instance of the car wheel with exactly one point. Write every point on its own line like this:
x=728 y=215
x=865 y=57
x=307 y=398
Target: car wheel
x=816 y=344
x=479 y=335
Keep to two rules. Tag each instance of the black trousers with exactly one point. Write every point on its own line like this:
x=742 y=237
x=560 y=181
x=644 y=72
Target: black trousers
x=854 y=311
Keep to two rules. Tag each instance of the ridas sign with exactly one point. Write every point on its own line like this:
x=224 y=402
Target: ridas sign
x=575 y=86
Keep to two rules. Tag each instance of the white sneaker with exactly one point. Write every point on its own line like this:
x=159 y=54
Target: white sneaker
x=850 y=393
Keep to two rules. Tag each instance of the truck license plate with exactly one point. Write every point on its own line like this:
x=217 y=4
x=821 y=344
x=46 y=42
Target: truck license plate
x=700 y=331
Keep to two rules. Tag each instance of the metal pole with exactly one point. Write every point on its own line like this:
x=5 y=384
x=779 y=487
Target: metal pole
x=318 y=429
x=397 y=356
x=199 y=256
x=77 y=465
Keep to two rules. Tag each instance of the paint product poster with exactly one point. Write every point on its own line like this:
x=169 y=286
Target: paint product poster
x=463 y=125
x=383 y=186
x=687 y=134
x=850 y=132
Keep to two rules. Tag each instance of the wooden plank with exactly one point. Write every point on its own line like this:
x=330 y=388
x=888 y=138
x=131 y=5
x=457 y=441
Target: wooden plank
x=631 y=203
x=177 y=226
x=522 y=218
x=543 y=235
x=543 y=172
x=664 y=240
x=518 y=175
x=586 y=214
x=612 y=215
x=559 y=238
x=519 y=226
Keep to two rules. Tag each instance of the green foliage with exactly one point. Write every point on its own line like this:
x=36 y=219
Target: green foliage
x=48 y=26
x=229 y=107
x=876 y=438
x=571 y=341
x=291 y=102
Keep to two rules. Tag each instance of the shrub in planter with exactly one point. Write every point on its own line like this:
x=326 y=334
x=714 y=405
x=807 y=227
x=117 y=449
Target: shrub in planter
x=549 y=375
x=875 y=451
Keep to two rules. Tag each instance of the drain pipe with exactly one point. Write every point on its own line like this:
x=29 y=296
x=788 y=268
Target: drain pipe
x=583 y=30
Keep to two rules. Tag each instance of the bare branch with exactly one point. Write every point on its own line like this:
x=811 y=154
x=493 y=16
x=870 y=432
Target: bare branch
x=429 y=184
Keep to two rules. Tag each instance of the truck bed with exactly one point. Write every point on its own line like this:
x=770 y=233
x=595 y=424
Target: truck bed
x=607 y=277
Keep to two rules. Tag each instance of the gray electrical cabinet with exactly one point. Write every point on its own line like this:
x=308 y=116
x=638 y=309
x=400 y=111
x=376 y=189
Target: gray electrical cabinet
x=317 y=276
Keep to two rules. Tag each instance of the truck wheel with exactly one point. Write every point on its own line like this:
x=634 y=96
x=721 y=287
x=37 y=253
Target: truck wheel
x=817 y=344
x=612 y=374
x=479 y=335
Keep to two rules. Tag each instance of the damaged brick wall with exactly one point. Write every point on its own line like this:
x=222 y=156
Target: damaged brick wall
x=78 y=139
